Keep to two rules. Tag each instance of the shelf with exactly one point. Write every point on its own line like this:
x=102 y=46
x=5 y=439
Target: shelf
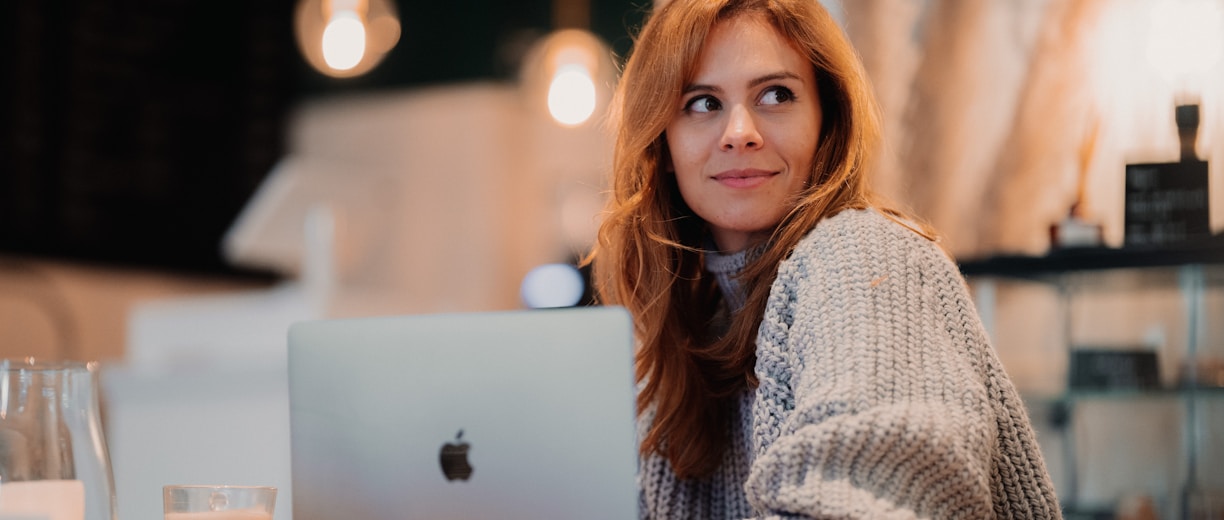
x=1144 y=393
x=1209 y=251
x=1076 y=395
x=1176 y=287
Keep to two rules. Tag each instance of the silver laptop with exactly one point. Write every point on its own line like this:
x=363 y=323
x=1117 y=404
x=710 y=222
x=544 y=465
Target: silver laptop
x=515 y=414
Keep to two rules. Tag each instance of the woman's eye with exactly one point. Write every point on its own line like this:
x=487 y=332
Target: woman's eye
x=777 y=96
x=702 y=105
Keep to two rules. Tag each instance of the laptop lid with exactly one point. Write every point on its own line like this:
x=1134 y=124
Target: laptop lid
x=516 y=414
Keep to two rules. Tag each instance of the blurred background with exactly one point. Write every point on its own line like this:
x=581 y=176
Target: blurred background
x=181 y=180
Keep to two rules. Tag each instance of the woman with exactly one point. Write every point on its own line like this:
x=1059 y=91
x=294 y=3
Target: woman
x=803 y=352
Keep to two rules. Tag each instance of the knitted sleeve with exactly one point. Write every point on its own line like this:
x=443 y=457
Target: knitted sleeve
x=879 y=394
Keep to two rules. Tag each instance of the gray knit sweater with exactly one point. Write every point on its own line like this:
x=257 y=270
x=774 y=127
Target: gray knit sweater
x=879 y=397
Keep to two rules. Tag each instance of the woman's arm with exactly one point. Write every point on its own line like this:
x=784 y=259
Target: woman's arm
x=880 y=396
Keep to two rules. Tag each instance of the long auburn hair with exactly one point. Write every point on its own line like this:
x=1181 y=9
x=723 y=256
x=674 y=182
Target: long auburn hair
x=648 y=257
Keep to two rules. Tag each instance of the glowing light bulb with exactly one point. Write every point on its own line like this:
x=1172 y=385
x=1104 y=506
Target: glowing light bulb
x=571 y=95
x=344 y=40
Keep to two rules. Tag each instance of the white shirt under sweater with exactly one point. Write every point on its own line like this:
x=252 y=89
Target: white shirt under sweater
x=879 y=396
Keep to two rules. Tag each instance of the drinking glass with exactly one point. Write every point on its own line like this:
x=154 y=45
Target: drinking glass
x=53 y=458
x=218 y=502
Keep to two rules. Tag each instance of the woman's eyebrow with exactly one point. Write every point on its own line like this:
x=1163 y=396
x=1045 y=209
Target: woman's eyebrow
x=777 y=76
x=755 y=82
x=700 y=88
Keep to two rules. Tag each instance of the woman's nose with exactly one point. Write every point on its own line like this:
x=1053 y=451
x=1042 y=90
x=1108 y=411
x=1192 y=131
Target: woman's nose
x=741 y=132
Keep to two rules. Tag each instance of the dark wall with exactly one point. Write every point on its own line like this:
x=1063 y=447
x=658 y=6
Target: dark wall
x=133 y=132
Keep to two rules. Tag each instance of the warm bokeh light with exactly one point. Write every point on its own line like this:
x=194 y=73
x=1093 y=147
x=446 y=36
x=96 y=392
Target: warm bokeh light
x=1186 y=38
x=571 y=95
x=344 y=40
x=568 y=75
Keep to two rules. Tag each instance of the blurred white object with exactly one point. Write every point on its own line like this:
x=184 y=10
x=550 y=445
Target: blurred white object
x=273 y=230
x=552 y=285
x=1073 y=231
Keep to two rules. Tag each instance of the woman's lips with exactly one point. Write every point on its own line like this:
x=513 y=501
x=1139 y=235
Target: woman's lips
x=747 y=178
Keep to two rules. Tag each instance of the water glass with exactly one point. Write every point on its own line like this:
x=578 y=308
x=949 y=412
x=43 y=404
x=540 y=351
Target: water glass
x=218 y=502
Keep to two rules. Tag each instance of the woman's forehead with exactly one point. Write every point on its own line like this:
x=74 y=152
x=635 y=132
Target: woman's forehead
x=746 y=45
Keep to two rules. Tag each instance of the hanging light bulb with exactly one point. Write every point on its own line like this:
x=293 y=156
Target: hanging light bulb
x=346 y=38
x=571 y=95
x=567 y=69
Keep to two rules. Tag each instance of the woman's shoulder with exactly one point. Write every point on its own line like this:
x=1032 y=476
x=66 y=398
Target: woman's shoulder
x=862 y=248
x=864 y=233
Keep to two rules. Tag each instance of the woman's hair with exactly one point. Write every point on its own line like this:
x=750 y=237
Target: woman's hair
x=649 y=253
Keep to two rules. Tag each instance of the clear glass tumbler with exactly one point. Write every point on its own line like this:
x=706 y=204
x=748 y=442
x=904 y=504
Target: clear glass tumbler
x=218 y=502
x=53 y=458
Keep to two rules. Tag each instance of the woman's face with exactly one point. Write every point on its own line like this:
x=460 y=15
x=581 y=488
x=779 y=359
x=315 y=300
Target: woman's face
x=744 y=135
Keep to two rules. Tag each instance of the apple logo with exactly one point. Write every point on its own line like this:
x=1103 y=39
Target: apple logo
x=454 y=459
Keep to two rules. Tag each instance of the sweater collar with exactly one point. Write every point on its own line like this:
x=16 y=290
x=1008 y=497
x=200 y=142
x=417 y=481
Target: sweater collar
x=726 y=268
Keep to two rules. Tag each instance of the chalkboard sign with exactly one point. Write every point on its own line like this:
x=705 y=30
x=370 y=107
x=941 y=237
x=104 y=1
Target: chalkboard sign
x=1166 y=203
x=1099 y=368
